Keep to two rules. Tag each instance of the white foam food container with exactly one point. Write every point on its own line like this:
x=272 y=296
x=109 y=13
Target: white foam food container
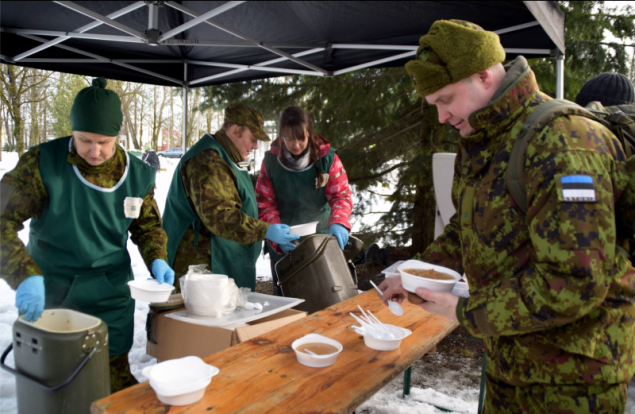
x=388 y=344
x=305 y=229
x=150 y=290
x=180 y=381
x=316 y=361
x=412 y=282
x=461 y=289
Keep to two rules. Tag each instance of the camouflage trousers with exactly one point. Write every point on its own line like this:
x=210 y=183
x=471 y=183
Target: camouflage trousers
x=501 y=398
x=120 y=375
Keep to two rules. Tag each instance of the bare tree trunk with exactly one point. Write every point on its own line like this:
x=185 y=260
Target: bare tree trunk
x=15 y=108
x=141 y=116
x=136 y=121
x=44 y=125
x=208 y=117
x=192 y=121
x=7 y=131
x=2 y=141
x=171 y=127
x=424 y=209
x=34 y=131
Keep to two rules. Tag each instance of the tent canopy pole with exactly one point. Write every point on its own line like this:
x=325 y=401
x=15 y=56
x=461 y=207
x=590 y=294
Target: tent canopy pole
x=560 y=76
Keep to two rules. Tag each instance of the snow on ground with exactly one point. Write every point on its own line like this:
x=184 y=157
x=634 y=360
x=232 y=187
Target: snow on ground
x=446 y=393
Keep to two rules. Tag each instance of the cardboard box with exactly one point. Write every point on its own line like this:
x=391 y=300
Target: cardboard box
x=177 y=339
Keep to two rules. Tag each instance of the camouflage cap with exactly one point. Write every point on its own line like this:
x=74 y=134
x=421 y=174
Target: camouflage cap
x=243 y=115
x=452 y=50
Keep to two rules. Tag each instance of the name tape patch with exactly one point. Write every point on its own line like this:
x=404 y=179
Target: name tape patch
x=578 y=188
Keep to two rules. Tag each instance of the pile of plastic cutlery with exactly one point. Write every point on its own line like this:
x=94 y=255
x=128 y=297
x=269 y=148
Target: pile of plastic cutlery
x=371 y=326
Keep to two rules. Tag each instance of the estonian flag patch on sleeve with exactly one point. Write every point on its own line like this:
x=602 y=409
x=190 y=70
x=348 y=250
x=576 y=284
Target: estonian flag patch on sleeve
x=578 y=188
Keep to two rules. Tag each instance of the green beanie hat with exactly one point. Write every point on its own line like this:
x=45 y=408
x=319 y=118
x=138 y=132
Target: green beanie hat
x=97 y=110
x=452 y=50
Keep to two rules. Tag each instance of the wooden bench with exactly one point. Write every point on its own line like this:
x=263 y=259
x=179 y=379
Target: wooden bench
x=263 y=375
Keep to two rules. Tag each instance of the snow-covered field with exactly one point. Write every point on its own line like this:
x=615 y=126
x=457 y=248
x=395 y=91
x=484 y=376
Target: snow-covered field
x=388 y=400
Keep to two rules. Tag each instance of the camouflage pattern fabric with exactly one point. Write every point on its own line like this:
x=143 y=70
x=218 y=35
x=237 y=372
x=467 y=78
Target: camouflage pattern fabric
x=210 y=186
x=120 y=375
x=189 y=254
x=243 y=115
x=502 y=398
x=29 y=199
x=548 y=294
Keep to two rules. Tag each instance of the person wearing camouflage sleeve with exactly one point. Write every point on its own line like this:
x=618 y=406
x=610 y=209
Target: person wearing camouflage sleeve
x=211 y=216
x=77 y=191
x=550 y=297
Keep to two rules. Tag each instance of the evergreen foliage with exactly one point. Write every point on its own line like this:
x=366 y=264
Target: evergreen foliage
x=65 y=91
x=386 y=135
x=587 y=54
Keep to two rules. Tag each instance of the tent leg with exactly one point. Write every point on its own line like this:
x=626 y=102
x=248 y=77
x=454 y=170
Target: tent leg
x=560 y=76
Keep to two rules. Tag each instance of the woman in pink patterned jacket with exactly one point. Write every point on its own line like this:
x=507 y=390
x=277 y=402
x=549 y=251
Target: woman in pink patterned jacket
x=302 y=180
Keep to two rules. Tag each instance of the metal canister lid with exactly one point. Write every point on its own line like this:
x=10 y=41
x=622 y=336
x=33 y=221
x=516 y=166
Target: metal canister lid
x=174 y=302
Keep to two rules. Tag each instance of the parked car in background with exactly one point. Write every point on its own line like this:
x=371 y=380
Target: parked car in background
x=250 y=163
x=176 y=152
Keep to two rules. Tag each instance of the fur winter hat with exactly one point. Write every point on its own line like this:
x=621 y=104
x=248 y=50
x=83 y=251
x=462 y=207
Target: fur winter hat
x=452 y=50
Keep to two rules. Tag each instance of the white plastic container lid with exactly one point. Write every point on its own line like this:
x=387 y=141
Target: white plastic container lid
x=180 y=376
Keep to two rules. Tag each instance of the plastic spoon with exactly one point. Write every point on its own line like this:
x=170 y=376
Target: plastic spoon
x=394 y=307
x=310 y=352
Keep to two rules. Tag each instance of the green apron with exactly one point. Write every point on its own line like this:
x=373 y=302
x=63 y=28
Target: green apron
x=80 y=242
x=227 y=257
x=298 y=200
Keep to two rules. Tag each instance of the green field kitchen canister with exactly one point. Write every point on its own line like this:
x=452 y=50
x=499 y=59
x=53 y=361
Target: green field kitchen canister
x=61 y=362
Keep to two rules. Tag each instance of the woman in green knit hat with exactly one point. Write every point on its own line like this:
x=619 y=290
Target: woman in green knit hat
x=84 y=193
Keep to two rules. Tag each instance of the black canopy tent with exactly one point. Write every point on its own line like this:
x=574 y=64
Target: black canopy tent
x=199 y=43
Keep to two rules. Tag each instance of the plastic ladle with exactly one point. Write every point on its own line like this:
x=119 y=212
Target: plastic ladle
x=393 y=306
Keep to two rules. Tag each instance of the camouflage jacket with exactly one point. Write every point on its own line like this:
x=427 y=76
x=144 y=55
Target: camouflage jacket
x=29 y=199
x=548 y=293
x=211 y=190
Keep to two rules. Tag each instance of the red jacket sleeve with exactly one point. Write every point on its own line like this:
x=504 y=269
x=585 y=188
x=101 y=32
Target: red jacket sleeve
x=267 y=202
x=339 y=195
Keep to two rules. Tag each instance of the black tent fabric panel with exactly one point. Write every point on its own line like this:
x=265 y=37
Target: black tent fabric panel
x=308 y=23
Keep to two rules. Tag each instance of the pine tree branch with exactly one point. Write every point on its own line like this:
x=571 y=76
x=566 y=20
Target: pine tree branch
x=612 y=44
x=378 y=175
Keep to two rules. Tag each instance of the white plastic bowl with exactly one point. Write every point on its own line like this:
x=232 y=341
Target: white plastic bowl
x=180 y=381
x=388 y=345
x=150 y=290
x=316 y=361
x=305 y=229
x=412 y=282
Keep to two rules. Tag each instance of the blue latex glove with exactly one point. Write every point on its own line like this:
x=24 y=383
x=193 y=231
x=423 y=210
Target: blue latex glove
x=279 y=233
x=162 y=272
x=341 y=234
x=29 y=298
x=287 y=247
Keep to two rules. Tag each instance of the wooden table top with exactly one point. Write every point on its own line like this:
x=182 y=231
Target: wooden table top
x=263 y=376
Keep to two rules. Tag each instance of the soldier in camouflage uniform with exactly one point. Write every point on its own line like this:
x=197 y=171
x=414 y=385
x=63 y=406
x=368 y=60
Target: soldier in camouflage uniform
x=552 y=300
x=211 y=216
x=74 y=191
